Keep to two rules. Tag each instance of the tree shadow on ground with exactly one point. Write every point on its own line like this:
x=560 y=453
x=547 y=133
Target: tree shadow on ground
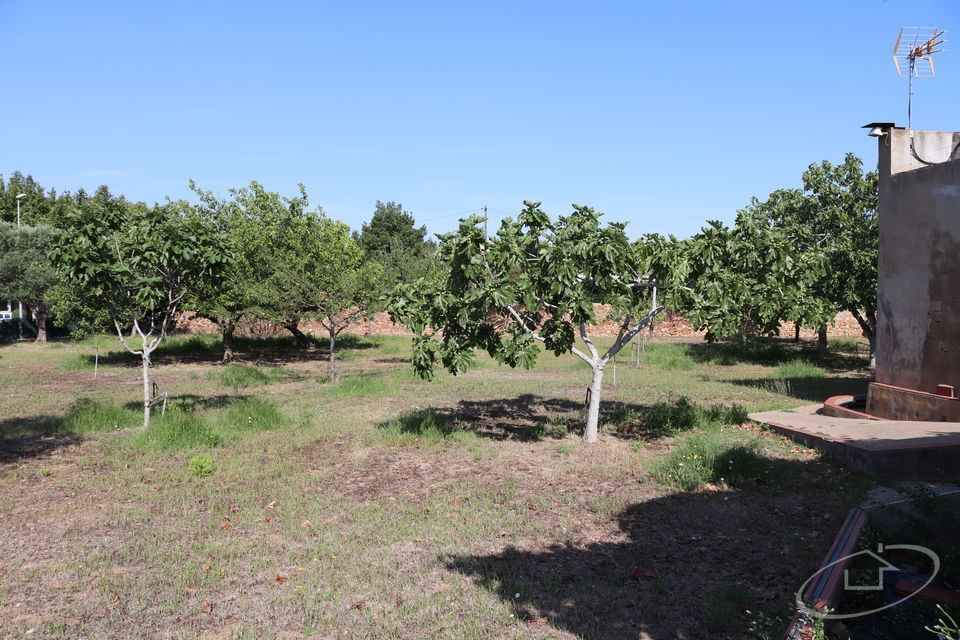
x=772 y=352
x=191 y=402
x=812 y=389
x=33 y=437
x=674 y=554
x=530 y=417
x=199 y=349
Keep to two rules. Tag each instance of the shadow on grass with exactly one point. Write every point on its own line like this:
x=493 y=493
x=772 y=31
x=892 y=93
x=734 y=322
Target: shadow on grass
x=675 y=551
x=530 y=417
x=191 y=402
x=812 y=389
x=22 y=438
x=194 y=348
x=773 y=352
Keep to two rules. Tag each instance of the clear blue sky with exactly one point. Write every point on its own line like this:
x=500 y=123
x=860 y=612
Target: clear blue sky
x=660 y=114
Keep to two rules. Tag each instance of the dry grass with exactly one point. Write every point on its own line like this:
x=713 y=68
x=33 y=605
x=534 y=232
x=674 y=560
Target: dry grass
x=330 y=527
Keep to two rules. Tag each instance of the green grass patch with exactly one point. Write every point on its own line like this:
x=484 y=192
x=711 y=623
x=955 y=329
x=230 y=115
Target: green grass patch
x=90 y=416
x=176 y=430
x=719 y=456
x=254 y=414
x=241 y=375
x=742 y=351
x=422 y=425
x=667 y=356
x=667 y=418
x=200 y=465
x=77 y=362
x=799 y=369
x=359 y=386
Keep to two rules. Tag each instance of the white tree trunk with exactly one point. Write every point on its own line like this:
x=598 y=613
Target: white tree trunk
x=146 y=388
x=592 y=430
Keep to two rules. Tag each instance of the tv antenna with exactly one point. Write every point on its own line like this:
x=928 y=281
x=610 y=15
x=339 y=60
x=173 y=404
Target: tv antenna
x=913 y=56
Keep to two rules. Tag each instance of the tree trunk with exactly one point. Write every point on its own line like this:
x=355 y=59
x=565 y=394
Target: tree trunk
x=822 y=347
x=40 y=317
x=796 y=332
x=302 y=338
x=592 y=430
x=332 y=362
x=872 y=339
x=228 y=329
x=146 y=388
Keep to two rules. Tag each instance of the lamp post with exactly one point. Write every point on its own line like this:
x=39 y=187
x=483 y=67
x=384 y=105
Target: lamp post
x=20 y=196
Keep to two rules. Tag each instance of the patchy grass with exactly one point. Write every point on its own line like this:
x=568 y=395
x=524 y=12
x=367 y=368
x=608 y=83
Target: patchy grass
x=77 y=362
x=384 y=506
x=240 y=375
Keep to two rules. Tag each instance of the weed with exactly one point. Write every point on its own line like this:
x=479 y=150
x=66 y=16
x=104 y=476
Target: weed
x=563 y=449
x=722 y=605
x=659 y=586
x=178 y=430
x=254 y=414
x=201 y=465
x=606 y=505
x=90 y=416
x=799 y=369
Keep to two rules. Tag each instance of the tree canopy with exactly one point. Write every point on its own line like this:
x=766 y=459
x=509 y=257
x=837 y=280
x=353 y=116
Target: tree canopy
x=139 y=263
x=26 y=273
x=534 y=283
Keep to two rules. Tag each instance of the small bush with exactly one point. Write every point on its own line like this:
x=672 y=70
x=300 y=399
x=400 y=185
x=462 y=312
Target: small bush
x=425 y=425
x=90 y=416
x=201 y=465
x=799 y=369
x=668 y=357
x=254 y=414
x=715 y=456
x=178 y=430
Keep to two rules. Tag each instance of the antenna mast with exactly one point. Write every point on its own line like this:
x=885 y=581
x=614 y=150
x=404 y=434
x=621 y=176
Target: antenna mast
x=912 y=54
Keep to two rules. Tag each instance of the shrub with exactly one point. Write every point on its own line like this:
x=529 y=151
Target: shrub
x=254 y=414
x=201 y=465
x=90 y=416
x=717 y=456
x=178 y=429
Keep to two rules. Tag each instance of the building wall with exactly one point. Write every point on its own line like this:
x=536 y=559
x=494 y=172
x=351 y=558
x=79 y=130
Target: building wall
x=918 y=322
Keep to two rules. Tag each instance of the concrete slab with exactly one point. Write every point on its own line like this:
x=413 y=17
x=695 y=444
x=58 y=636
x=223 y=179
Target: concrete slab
x=896 y=448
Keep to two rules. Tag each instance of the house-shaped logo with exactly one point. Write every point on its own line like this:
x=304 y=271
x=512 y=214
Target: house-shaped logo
x=884 y=566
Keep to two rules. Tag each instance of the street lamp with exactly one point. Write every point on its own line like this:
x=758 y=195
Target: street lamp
x=20 y=196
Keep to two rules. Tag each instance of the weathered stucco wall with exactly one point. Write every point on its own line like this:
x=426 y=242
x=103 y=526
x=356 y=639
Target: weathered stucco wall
x=918 y=323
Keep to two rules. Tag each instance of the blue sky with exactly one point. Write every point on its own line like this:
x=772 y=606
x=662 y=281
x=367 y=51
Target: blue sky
x=660 y=114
